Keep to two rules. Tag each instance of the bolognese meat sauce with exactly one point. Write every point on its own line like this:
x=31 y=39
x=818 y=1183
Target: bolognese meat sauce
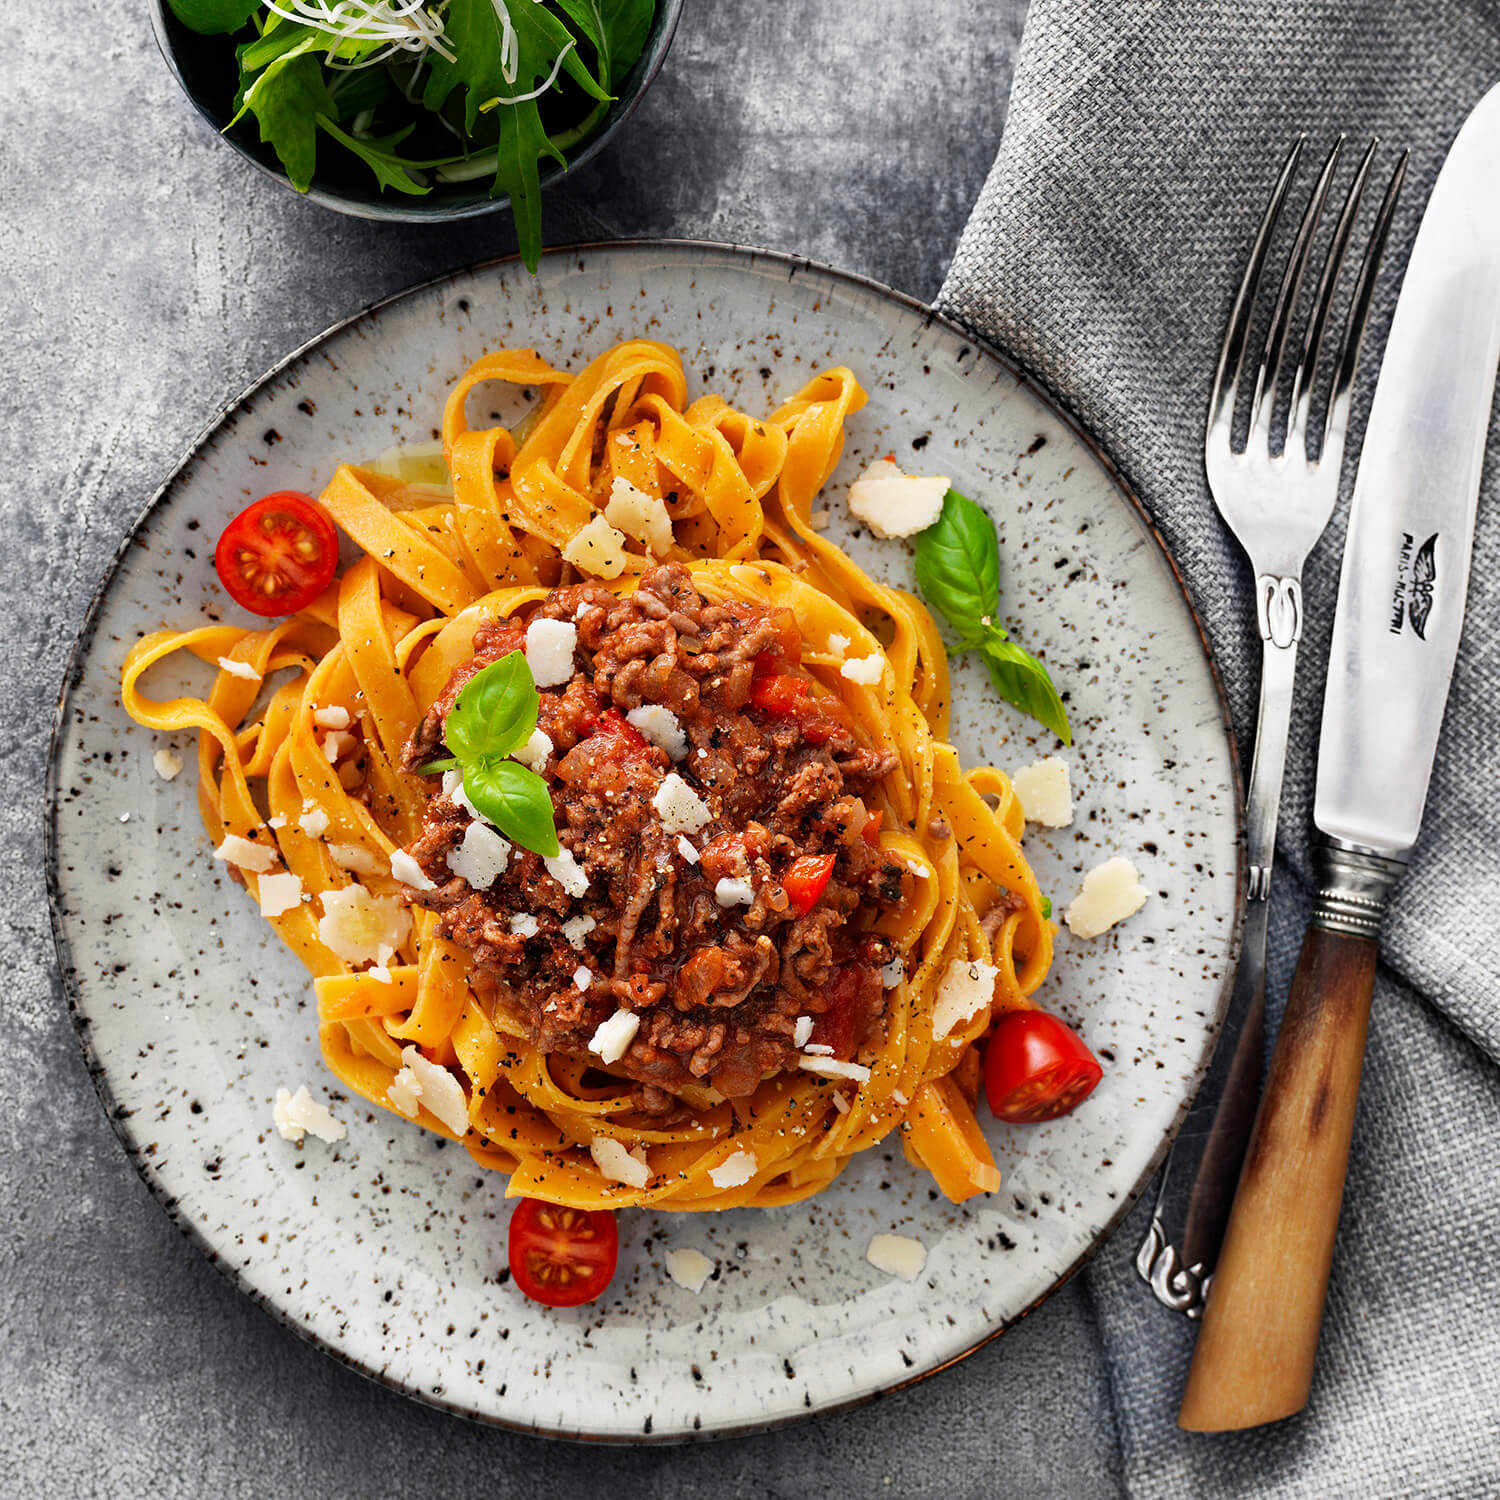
x=720 y=942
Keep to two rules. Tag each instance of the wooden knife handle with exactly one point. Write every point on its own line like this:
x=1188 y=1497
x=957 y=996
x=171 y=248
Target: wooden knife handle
x=1254 y=1358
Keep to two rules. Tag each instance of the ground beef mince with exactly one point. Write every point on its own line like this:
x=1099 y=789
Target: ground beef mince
x=718 y=988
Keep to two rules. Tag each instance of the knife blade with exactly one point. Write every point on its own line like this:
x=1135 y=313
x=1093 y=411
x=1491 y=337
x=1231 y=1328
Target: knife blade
x=1396 y=633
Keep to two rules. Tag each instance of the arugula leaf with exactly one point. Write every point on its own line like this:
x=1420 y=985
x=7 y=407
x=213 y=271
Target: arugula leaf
x=617 y=30
x=516 y=800
x=213 y=17
x=286 y=100
x=377 y=153
x=474 y=33
x=958 y=572
x=494 y=712
x=517 y=173
x=958 y=566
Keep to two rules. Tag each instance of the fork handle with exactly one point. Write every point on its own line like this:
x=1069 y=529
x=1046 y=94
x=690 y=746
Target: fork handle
x=1254 y=1359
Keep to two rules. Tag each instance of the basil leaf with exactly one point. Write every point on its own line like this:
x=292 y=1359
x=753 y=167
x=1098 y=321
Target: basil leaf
x=1046 y=906
x=493 y=714
x=213 y=17
x=515 y=800
x=958 y=572
x=1021 y=679
x=377 y=153
x=958 y=566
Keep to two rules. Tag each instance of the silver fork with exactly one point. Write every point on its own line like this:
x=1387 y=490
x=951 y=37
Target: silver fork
x=1277 y=504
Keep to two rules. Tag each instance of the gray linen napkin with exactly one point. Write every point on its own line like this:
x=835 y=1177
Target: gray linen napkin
x=1141 y=143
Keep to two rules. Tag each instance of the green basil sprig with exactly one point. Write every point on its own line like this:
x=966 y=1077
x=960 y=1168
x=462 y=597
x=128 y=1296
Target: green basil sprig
x=493 y=717
x=958 y=571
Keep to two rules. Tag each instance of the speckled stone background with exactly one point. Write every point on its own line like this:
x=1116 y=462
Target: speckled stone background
x=147 y=273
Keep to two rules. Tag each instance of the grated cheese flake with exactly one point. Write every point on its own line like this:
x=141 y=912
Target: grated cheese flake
x=404 y=1093
x=831 y=1067
x=611 y=1041
x=245 y=853
x=734 y=892
x=1045 y=792
x=564 y=868
x=481 y=858
x=442 y=1095
x=893 y=973
x=734 y=1171
x=864 y=669
x=598 y=549
x=802 y=1031
x=241 y=669
x=523 y=924
x=689 y=1268
x=686 y=850
x=300 y=1114
x=897 y=1255
x=583 y=977
x=892 y=503
x=616 y=1163
x=549 y=651
x=168 y=764
x=1110 y=893
x=967 y=987
x=575 y=929
x=640 y=516
x=660 y=727
x=681 y=809
x=333 y=716
x=533 y=754
x=314 y=822
x=356 y=926
x=278 y=894
x=405 y=869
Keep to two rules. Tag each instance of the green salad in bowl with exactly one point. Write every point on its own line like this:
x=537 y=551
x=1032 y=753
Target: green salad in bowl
x=418 y=109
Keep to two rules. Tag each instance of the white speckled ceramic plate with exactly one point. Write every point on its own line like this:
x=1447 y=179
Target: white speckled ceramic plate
x=387 y=1250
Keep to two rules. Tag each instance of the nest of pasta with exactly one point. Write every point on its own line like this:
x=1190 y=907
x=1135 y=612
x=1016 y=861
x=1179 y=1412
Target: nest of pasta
x=834 y=1031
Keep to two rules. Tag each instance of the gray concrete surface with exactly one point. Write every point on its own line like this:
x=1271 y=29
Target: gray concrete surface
x=146 y=273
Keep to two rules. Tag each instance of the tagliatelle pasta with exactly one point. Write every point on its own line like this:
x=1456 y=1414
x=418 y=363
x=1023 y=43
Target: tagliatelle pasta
x=439 y=561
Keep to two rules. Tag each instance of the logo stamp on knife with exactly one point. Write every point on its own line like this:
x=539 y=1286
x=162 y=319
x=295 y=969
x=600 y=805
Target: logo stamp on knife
x=1416 y=576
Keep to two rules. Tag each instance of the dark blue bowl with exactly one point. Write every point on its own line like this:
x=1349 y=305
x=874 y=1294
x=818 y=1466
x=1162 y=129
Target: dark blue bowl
x=205 y=67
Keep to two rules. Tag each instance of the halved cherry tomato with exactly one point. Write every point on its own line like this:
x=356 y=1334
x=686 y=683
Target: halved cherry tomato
x=278 y=555
x=1036 y=1067
x=805 y=880
x=562 y=1256
x=779 y=694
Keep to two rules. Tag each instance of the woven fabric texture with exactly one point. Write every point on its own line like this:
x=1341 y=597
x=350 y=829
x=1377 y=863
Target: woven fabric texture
x=1102 y=256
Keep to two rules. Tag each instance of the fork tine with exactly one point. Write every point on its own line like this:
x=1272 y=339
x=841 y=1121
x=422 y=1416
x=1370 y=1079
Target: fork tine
x=1222 y=400
x=1304 y=378
x=1336 y=424
x=1268 y=376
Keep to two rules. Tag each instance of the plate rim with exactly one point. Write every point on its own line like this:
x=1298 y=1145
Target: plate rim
x=737 y=253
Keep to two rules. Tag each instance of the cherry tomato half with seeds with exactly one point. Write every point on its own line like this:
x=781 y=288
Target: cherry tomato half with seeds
x=562 y=1256
x=278 y=555
x=1036 y=1067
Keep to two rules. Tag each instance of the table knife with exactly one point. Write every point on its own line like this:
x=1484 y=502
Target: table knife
x=1395 y=639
